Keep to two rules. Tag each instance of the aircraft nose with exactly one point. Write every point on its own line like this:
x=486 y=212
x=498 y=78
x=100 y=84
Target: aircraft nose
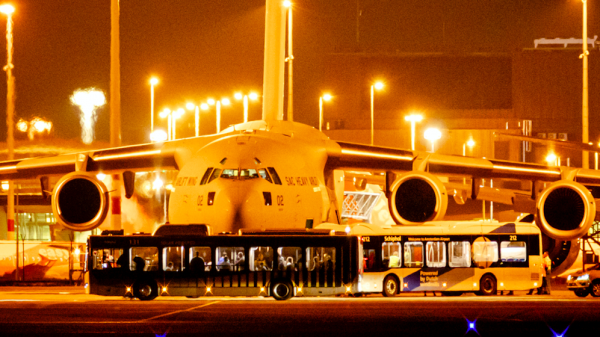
x=242 y=205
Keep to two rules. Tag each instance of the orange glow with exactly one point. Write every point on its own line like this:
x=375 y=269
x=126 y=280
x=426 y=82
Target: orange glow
x=377 y=155
x=522 y=169
x=127 y=155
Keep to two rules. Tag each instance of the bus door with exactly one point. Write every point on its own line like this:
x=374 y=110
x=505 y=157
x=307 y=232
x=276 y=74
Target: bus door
x=460 y=264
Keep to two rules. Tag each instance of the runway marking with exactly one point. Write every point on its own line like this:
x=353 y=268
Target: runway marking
x=176 y=312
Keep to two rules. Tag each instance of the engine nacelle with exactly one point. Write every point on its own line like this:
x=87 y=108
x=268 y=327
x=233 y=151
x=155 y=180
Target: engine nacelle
x=565 y=210
x=80 y=202
x=417 y=197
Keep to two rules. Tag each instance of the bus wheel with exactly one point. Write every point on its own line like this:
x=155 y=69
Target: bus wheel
x=581 y=292
x=595 y=288
x=145 y=290
x=487 y=285
x=281 y=290
x=390 y=286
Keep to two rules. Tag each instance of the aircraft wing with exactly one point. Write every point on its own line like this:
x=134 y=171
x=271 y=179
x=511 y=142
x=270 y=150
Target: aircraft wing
x=418 y=184
x=363 y=157
x=145 y=157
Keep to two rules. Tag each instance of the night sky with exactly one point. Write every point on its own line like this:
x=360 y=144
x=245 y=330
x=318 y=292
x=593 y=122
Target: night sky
x=201 y=48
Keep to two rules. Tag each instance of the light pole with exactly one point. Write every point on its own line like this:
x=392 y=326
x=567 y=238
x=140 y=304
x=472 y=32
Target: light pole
x=290 y=60
x=433 y=134
x=251 y=96
x=176 y=114
x=470 y=143
x=584 y=105
x=191 y=106
x=413 y=119
x=172 y=116
x=326 y=98
x=10 y=110
x=378 y=86
x=153 y=82
x=224 y=101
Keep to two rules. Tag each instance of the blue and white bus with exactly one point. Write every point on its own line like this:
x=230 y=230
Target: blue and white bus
x=451 y=257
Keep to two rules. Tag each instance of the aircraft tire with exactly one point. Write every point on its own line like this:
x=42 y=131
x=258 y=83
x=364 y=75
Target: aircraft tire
x=145 y=290
x=581 y=292
x=487 y=285
x=282 y=290
x=595 y=288
x=390 y=286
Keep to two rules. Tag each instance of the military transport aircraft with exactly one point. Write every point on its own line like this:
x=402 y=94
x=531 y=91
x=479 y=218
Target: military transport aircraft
x=275 y=173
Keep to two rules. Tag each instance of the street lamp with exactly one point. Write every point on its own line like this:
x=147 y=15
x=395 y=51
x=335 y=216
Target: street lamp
x=414 y=118
x=153 y=82
x=8 y=10
x=252 y=96
x=470 y=143
x=326 y=98
x=289 y=59
x=552 y=159
x=433 y=134
x=378 y=86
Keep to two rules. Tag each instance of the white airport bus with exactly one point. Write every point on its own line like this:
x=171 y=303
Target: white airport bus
x=451 y=257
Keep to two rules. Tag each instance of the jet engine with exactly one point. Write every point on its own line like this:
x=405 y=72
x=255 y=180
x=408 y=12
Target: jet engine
x=80 y=201
x=416 y=197
x=565 y=210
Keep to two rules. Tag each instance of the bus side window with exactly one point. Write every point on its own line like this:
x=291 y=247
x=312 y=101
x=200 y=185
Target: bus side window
x=203 y=254
x=106 y=258
x=172 y=259
x=261 y=258
x=436 y=254
x=228 y=258
x=368 y=259
x=484 y=252
x=289 y=258
x=391 y=254
x=459 y=254
x=513 y=251
x=413 y=254
x=144 y=259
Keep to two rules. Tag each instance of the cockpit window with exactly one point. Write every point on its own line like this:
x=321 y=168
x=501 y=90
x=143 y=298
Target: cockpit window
x=230 y=173
x=206 y=176
x=275 y=176
x=265 y=175
x=248 y=174
x=215 y=174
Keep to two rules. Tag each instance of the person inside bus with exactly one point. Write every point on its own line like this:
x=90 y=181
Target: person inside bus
x=240 y=261
x=197 y=264
x=260 y=263
x=138 y=263
x=226 y=264
x=281 y=263
x=169 y=266
x=122 y=262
